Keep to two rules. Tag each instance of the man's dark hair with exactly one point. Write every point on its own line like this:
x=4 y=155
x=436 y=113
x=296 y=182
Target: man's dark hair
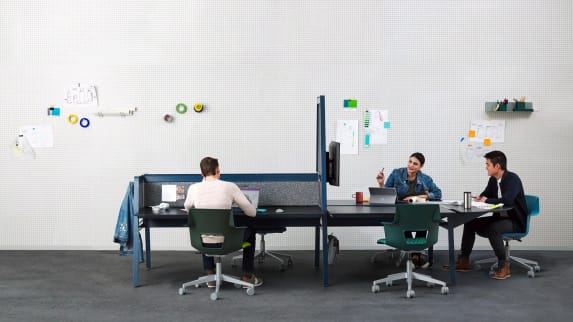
x=497 y=157
x=209 y=166
x=419 y=156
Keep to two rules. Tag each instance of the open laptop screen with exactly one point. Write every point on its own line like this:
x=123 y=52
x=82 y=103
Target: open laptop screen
x=252 y=195
x=382 y=196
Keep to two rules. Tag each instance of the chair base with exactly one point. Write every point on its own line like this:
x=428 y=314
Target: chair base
x=400 y=255
x=284 y=260
x=409 y=276
x=531 y=266
x=219 y=278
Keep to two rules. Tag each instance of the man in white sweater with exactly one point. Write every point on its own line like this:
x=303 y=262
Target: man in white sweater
x=214 y=193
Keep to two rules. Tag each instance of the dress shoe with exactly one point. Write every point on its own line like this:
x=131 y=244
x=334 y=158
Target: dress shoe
x=462 y=264
x=502 y=272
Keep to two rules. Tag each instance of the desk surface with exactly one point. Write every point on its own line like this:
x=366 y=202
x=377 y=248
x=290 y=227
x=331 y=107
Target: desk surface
x=302 y=216
x=349 y=207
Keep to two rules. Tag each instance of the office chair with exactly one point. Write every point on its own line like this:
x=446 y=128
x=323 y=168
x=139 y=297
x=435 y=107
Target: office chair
x=215 y=222
x=531 y=266
x=411 y=218
x=262 y=253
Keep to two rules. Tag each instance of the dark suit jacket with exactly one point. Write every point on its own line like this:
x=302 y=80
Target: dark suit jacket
x=512 y=196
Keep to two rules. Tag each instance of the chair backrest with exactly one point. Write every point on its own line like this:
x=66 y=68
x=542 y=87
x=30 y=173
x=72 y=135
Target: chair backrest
x=424 y=217
x=214 y=222
x=533 y=208
x=532 y=204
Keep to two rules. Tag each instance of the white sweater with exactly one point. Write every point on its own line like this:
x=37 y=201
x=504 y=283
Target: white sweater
x=213 y=193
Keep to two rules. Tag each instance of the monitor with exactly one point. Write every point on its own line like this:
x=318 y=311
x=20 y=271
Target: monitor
x=333 y=163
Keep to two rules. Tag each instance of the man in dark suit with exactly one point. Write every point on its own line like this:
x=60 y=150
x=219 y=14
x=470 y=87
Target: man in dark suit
x=503 y=187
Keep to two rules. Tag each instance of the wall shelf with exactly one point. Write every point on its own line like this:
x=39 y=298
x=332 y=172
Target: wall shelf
x=509 y=107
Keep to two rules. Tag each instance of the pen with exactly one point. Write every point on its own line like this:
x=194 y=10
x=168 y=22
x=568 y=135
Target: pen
x=496 y=206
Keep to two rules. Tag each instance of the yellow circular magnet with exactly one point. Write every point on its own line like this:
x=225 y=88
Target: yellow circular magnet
x=72 y=118
x=198 y=107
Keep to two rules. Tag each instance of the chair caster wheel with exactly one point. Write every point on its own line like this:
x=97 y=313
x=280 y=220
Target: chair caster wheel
x=251 y=291
x=537 y=268
x=531 y=274
x=237 y=285
x=181 y=291
x=445 y=290
x=389 y=283
x=213 y=296
x=410 y=294
x=289 y=263
x=430 y=285
x=375 y=288
x=197 y=286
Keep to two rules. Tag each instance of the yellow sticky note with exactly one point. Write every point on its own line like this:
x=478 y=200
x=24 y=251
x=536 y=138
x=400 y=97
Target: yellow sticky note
x=487 y=141
x=471 y=133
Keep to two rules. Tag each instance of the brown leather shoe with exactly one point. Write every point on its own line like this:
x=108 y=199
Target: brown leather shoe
x=502 y=273
x=462 y=264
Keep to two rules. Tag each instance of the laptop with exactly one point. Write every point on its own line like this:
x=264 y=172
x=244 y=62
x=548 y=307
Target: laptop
x=252 y=195
x=382 y=196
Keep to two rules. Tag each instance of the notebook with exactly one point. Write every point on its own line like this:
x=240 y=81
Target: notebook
x=382 y=196
x=252 y=195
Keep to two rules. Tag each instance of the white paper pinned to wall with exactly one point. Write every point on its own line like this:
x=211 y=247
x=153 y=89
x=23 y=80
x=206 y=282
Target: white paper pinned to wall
x=347 y=135
x=38 y=136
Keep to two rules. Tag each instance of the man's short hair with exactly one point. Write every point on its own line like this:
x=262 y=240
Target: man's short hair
x=497 y=157
x=209 y=166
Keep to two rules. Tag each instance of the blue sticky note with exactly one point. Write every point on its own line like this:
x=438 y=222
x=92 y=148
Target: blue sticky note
x=386 y=125
x=261 y=210
x=54 y=111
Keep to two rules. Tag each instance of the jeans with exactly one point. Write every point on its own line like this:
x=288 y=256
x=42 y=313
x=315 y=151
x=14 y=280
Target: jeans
x=248 y=254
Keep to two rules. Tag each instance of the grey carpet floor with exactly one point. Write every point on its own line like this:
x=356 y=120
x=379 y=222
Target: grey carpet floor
x=96 y=286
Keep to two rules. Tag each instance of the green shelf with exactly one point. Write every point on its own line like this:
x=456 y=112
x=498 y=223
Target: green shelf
x=509 y=107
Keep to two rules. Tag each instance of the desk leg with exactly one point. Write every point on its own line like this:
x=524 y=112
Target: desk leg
x=316 y=246
x=324 y=250
x=147 y=247
x=136 y=250
x=451 y=250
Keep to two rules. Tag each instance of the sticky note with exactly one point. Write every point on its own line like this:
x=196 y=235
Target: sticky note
x=386 y=125
x=471 y=133
x=54 y=111
x=487 y=141
x=350 y=103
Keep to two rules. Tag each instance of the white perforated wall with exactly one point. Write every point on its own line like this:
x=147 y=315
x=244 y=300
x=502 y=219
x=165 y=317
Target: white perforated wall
x=257 y=67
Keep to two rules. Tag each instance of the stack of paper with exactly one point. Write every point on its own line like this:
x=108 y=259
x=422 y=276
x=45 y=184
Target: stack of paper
x=484 y=205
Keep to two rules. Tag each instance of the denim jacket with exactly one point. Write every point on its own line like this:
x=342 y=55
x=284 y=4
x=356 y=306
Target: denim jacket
x=398 y=179
x=122 y=234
